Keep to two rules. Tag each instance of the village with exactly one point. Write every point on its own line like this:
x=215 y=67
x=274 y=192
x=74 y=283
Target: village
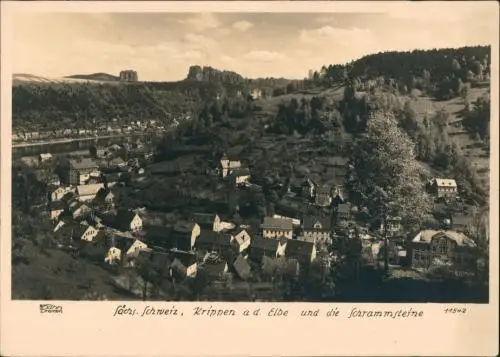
x=299 y=237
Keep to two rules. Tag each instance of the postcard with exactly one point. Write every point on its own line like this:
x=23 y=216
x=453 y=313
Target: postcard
x=249 y=178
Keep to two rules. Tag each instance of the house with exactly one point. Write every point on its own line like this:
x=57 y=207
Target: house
x=88 y=192
x=308 y=188
x=43 y=158
x=160 y=261
x=129 y=248
x=77 y=171
x=105 y=197
x=262 y=247
x=288 y=209
x=444 y=187
x=184 y=264
x=184 y=235
x=242 y=268
x=127 y=221
x=316 y=229
x=53 y=180
x=208 y=221
x=117 y=162
x=216 y=270
x=444 y=246
x=56 y=208
x=323 y=196
x=241 y=238
x=228 y=165
x=343 y=212
x=393 y=225
x=256 y=93
x=159 y=236
x=79 y=209
x=276 y=228
x=241 y=175
x=304 y=252
x=84 y=232
x=213 y=241
x=59 y=193
x=113 y=256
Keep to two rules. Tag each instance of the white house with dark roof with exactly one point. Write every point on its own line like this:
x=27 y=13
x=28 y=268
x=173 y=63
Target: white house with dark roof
x=316 y=229
x=276 y=228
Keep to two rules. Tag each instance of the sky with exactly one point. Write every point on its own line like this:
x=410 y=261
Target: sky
x=162 y=46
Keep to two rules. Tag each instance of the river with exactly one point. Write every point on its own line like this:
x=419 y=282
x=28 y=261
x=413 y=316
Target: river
x=61 y=147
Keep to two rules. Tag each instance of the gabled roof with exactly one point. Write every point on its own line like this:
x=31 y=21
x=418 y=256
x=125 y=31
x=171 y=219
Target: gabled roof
x=88 y=190
x=309 y=223
x=209 y=237
x=186 y=258
x=117 y=161
x=261 y=243
x=426 y=236
x=184 y=227
x=445 y=182
x=242 y=267
x=324 y=190
x=123 y=243
x=203 y=218
x=123 y=219
x=277 y=223
x=241 y=171
x=240 y=237
x=56 y=205
x=298 y=248
x=158 y=232
x=79 y=229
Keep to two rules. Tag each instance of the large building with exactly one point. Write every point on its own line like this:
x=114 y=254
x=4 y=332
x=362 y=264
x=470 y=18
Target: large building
x=444 y=187
x=128 y=76
x=78 y=172
x=277 y=228
x=446 y=246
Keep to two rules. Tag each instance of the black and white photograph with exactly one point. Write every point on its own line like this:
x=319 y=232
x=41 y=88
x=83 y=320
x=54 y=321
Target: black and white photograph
x=209 y=156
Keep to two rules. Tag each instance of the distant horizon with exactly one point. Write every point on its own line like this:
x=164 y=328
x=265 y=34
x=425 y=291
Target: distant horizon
x=162 y=46
x=116 y=74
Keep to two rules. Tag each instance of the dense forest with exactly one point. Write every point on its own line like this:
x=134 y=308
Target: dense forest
x=77 y=105
x=441 y=73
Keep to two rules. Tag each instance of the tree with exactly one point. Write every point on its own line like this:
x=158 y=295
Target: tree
x=385 y=172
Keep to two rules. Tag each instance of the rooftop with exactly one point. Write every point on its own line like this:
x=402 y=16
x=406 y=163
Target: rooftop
x=277 y=223
x=446 y=182
x=83 y=163
x=426 y=236
x=312 y=223
x=87 y=190
x=264 y=244
x=298 y=247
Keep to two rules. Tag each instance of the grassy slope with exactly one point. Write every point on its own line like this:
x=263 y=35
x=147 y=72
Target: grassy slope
x=57 y=275
x=454 y=107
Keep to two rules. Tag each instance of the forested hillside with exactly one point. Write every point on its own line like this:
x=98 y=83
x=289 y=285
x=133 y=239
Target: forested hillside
x=442 y=73
x=35 y=105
